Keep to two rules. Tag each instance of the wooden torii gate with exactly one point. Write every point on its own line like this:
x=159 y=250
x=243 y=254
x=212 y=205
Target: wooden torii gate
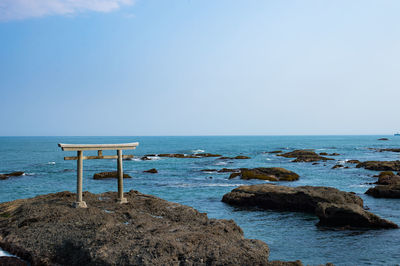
x=99 y=147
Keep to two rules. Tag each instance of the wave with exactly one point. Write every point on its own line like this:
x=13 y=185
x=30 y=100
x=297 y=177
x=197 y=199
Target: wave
x=221 y=163
x=208 y=185
x=198 y=151
x=52 y=163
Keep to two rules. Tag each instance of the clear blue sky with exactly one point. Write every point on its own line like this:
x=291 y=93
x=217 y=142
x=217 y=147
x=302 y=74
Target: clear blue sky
x=118 y=67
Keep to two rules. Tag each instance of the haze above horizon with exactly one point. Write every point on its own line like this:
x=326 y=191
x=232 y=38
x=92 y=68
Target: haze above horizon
x=165 y=68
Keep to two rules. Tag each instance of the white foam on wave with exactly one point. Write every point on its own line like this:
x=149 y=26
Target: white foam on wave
x=52 y=163
x=268 y=159
x=209 y=185
x=221 y=163
x=5 y=254
x=153 y=158
x=362 y=185
x=198 y=151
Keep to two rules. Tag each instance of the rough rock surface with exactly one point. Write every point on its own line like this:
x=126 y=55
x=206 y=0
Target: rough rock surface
x=388 y=178
x=151 y=171
x=46 y=230
x=350 y=215
x=380 y=165
x=104 y=175
x=307 y=199
x=304 y=156
x=385 y=191
x=263 y=173
x=6 y=176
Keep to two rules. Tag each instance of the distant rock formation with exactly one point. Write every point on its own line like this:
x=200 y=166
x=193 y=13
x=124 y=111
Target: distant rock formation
x=263 y=173
x=6 y=176
x=151 y=171
x=304 y=156
x=380 y=165
x=104 y=175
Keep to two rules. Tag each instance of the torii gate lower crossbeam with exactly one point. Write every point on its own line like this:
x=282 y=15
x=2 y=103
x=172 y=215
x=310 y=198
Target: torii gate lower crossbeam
x=99 y=147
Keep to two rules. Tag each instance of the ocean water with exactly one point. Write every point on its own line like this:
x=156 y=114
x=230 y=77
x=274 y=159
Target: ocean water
x=290 y=236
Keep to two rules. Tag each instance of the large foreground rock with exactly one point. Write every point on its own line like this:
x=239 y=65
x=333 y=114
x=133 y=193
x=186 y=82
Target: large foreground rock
x=263 y=173
x=308 y=199
x=46 y=230
x=304 y=156
x=380 y=165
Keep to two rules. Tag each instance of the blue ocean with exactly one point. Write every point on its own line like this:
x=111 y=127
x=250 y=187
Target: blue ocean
x=290 y=236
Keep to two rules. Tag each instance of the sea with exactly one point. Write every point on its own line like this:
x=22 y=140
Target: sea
x=290 y=235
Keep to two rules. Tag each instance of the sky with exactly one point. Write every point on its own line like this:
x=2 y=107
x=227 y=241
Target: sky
x=195 y=67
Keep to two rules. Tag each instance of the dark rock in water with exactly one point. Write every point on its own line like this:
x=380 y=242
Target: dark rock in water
x=145 y=158
x=147 y=230
x=388 y=180
x=337 y=166
x=11 y=261
x=349 y=216
x=323 y=153
x=382 y=191
x=275 y=152
x=334 y=154
x=338 y=208
x=304 y=156
x=6 y=176
x=392 y=150
x=239 y=157
x=271 y=174
x=380 y=165
x=208 y=170
x=353 y=161
x=226 y=170
x=104 y=175
x=315 y=163
x=383 y=139
x=304 y=198
x=151 y=171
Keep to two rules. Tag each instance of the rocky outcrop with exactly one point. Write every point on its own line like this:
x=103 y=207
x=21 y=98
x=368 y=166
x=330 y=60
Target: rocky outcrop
x=380 y=165
x=104 y=175
x=353 y=161
x=392 y=150
x=340 y=209
x=388 y=178
x=350 y=215
x=147 y=230
x=6 y=176
x=263 y=173
x=151 y=171
x=385 y=191
x=304 y=156
x=239 y=157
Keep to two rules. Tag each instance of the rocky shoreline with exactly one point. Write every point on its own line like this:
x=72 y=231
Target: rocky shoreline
x=46 y=230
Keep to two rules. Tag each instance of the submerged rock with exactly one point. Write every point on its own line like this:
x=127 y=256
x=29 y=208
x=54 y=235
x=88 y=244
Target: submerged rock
x=263 y=173
x=344 y=207
x=383 y=139
x=151 y=171
x=304 y=156
x=104 y=175
x=6 y=176
x=380 y=165
x=147 y=230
